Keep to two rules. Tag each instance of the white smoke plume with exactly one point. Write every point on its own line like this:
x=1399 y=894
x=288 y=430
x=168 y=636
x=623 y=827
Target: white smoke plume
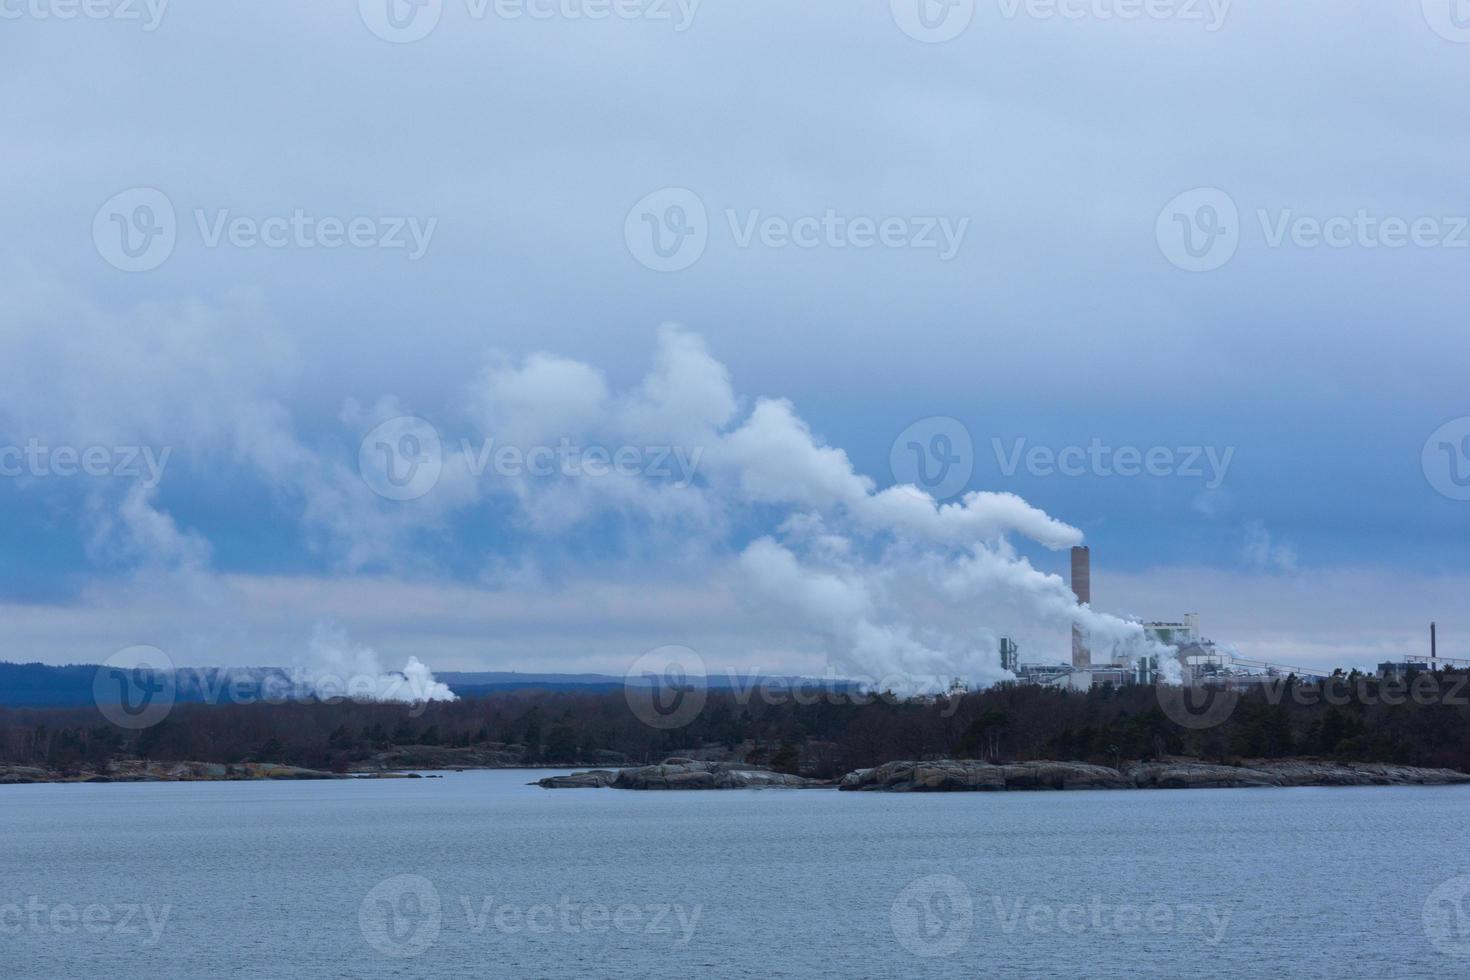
x=887 y=581
x=338 y=668
x=897 y=586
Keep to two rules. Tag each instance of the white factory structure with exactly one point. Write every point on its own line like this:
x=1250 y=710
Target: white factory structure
x=1198 y=660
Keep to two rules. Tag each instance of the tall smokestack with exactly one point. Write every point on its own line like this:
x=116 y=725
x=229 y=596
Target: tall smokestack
x=1433 y=646
x=1082 y=589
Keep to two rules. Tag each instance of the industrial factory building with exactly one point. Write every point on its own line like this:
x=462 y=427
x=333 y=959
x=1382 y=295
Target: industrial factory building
x=1196 y=656
x=1193 y=659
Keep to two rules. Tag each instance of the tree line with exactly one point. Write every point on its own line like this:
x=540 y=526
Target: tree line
x=823 y=736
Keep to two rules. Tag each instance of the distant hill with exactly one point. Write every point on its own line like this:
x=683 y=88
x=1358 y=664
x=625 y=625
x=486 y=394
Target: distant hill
x=37 y=685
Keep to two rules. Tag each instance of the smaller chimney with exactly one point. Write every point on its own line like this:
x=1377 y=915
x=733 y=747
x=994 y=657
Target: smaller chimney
x=1433 y=646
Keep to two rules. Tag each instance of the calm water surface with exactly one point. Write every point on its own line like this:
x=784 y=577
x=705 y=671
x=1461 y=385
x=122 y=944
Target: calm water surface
x=477 y=874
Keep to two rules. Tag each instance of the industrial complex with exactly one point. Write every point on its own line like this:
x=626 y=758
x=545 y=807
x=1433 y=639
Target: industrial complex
x=1200 y=661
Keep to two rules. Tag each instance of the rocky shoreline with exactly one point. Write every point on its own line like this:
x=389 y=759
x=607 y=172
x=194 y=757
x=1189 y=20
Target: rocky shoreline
x=678 y=773
x=400 y=762
x=138 y=771
x=936 y=776
x=969 y=775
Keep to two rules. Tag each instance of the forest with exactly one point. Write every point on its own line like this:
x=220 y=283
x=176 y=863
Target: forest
x=822 y=737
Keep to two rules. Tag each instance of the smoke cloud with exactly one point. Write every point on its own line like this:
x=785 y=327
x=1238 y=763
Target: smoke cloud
x=884 y=580
x=340 y=668
x=894 y=584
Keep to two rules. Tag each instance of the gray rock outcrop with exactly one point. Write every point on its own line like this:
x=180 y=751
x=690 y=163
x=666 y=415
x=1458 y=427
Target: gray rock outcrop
x=595 y=779
x=1196 y=775
x=1304 y=772
x=683 y=774
x=970 y=775
x=962 y=775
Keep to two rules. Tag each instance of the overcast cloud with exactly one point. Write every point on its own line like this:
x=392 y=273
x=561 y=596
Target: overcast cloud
x=1191 y=286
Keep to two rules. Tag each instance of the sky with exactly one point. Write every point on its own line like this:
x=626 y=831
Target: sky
x=1184 y=280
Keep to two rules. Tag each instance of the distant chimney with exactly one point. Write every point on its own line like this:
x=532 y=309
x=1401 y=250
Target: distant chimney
x=1433 y=646
x=1082 y=589
x=1009 y=658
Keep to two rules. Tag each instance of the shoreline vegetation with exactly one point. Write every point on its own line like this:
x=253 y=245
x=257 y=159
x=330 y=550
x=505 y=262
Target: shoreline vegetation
x=1129 y=731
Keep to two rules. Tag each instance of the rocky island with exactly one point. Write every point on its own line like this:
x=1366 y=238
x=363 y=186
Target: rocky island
x=970 y=775
x=678 y=773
